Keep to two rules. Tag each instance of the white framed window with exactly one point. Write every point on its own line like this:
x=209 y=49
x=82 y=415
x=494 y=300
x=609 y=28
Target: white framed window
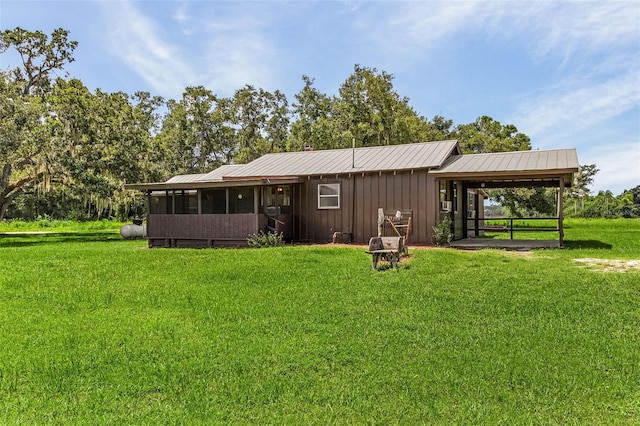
x=329 y=196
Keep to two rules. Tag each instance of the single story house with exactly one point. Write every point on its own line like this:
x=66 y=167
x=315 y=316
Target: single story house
x=314 y=196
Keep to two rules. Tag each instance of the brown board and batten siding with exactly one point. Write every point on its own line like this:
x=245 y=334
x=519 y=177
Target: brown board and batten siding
x=389 y=177
x=173 y=230
x=362 y=194
x=399 y=177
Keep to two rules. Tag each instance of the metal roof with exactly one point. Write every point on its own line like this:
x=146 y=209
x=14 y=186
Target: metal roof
x=213 y=176
x=220 y=172
x=556 y=161
x=343 y=161
x=443 y=158
x=186 y=178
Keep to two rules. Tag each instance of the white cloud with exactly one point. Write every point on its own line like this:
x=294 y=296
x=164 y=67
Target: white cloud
x=418 y=26
x=181 y=14
x=592 y=49
x=545 y=28
x=224 y=52
x=564 y=107
x=239 y=52
x=569 y=28
x=135 y=39
x=619 y=165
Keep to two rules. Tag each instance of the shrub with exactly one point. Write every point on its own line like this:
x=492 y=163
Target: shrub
x=442 y=232
x=270 y=239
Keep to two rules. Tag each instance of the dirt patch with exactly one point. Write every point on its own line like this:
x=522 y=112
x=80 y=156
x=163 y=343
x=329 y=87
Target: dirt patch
x=609 y=265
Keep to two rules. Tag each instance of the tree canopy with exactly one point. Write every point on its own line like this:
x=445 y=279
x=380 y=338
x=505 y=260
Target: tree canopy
x=27 y=151
x=66 y=151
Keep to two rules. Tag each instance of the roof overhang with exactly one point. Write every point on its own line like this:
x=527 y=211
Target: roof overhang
x=547 y=178
x=547 y=168
x=166 y=186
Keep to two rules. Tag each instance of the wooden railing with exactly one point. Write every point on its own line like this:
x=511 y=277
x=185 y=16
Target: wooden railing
x=506 y=224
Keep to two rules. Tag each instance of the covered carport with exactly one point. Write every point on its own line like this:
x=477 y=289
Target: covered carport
x=520 y=169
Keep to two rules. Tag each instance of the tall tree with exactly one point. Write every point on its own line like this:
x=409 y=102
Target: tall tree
x=196 y=132
x=523 y=202
x=312 y=119
x=440 y=129
x=582 y=180
x=261 y=121
x=102 y=140
x=487 y=135
x=25 y=148
x=370 y=111
x=40 y=55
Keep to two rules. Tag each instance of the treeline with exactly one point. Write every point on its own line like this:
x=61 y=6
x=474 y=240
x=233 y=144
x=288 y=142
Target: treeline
x=606 y=204
x=542 y=202
x=578 y=200
x=66 y=151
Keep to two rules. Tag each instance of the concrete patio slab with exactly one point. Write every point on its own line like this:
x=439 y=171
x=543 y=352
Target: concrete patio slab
x=481 y=243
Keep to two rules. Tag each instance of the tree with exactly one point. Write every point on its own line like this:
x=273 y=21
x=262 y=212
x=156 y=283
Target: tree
x=260 y=120
x=196 y=135
x=25 y=148
x=312 y=125
x=101 y=141
x=581 y=182
x=368 y=111
x=522 y=202
x=23 y=143
x=635 y=192
x=627 y=205
x=487 y=135
x=441 y=128
x=40 y=57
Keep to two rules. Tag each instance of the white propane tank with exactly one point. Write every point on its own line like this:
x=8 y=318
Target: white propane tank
x=130 y=232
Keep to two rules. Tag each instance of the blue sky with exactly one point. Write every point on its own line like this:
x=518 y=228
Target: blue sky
x=565 y=73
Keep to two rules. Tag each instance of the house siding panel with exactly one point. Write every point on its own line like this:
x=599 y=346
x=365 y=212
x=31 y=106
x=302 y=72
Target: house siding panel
x=201 y=229
x=361 y=196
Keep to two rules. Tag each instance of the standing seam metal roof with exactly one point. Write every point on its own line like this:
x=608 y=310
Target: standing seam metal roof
x=341 y=161
x=187 y=178
x=441 y=157
x=213 y=176
x=517 y=161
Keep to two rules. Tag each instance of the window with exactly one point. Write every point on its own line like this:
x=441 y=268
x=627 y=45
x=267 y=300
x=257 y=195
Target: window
x=276 y=199
x=445 y=205
x=329 y=196
x=471 y=205
x=455 y=197
x=241 y=200
x=186 y=202
x=214 y=201
x=158 y=203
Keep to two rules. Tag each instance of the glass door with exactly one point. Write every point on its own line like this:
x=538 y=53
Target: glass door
x=276 y=205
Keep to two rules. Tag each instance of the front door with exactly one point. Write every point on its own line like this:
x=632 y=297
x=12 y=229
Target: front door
x=276 y=206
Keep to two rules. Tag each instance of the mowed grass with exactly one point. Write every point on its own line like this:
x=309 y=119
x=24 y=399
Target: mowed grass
x=111 y=332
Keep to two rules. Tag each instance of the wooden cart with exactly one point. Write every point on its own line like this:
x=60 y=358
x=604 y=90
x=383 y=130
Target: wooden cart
x=386 y=248
x=395 y=222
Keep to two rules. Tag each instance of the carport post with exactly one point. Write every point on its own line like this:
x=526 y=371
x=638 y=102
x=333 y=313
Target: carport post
x=560 y=214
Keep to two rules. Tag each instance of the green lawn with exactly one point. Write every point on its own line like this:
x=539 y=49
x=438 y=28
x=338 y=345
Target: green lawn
x=97 y=330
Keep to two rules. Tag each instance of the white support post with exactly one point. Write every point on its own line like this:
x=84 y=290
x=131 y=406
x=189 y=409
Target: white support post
x=560 y=213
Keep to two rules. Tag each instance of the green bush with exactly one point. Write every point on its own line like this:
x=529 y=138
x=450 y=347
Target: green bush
x=270 y=239
x=442 y=232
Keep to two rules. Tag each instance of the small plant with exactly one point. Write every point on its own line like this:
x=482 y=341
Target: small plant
x=262 y=239
x=442 y=232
